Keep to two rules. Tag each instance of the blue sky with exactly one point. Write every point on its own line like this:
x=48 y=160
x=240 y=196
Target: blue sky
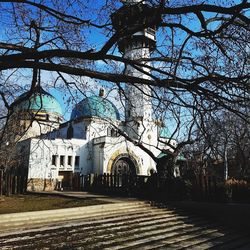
x=97 y=39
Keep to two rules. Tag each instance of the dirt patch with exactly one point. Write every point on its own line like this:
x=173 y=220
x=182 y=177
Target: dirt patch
x=30 y=202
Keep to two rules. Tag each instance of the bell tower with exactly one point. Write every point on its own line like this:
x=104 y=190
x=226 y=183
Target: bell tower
x=136 y=22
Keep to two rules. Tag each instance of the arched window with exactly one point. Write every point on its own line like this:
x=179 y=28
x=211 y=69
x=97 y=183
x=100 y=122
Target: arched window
x=108 y=131
x=113 y=132
x=70 y=132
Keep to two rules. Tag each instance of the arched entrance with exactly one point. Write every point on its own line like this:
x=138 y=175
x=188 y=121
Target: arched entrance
x=124 y=164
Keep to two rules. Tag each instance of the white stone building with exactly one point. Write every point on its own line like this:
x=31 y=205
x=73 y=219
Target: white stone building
x=90 y=141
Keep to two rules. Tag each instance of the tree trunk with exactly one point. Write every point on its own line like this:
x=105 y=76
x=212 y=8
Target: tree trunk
x=1 y=182
x=225 y=164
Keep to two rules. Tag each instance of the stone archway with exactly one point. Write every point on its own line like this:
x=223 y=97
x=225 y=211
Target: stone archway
x=124 y=164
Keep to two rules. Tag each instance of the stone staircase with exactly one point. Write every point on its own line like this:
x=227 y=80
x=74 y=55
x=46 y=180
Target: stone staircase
x=125 y=225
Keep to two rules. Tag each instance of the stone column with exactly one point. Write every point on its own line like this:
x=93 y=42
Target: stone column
x=65 y=161
x=73 y=162
x=57 y=161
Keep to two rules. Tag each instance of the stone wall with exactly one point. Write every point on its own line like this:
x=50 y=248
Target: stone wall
x=36 y=184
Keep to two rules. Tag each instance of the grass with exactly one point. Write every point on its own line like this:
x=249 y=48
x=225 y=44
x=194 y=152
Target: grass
x=30 y=202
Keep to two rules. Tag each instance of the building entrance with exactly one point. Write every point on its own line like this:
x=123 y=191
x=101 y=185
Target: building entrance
x=124 y=165
x=67 y=179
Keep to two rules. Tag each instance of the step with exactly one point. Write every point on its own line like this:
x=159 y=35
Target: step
x=193 y=240
x=62 y=216
x=125 y=227
x=233 y=240
x=118 y=224
x=141 y=213
x=125 y=235
x=85 y=209
x=59 y=218
x=154 y=236
x=104 y=223
x=96 y=230
x=80 y=212
x=86 y=242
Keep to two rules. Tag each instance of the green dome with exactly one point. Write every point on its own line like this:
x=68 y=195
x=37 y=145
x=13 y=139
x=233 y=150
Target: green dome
x=37 y=100
x=95 y=106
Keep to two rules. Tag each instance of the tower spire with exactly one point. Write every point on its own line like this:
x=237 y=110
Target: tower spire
x=137 y=22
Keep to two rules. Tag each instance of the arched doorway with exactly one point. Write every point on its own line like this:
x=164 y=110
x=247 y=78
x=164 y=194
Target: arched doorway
x=124 y=164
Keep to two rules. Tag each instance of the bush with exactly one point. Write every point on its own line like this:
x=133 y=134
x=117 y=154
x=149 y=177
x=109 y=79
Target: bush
x=239 y=189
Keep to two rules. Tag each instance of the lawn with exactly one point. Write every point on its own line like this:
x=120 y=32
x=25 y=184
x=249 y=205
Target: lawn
x=30 y=202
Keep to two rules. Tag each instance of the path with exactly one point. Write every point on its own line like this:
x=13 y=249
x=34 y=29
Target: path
x=121 y=225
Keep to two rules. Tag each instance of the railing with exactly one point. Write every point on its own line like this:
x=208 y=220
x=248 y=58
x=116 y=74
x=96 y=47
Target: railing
x=115 y=183
x=202 y=187
x=12 y=182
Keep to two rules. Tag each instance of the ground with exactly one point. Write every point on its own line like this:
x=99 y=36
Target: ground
x=36 y=202
x=122 y=225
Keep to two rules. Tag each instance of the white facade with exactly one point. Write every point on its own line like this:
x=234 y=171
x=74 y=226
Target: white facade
x=90 y=142
x=52 y=156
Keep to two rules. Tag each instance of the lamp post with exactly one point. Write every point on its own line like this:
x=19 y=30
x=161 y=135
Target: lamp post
x=1 y=179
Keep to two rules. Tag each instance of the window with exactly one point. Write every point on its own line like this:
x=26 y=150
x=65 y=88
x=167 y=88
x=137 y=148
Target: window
x=114 y=133
x=77 y=161
x=70 y=132
x=53 y=159
x=62 y=157
x=69 y=160
x=108 y=132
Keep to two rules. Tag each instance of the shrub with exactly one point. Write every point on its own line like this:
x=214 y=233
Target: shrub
x=239 y=189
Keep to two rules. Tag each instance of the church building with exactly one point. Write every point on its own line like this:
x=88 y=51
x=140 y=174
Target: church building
x=94 y=139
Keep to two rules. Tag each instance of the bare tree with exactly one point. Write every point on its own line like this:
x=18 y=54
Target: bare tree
x=201 y=63
x=226 y=140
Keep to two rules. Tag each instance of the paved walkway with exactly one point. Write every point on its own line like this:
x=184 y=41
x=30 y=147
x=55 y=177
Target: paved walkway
x=231 y=214
x=119 y=225
x=83 y=195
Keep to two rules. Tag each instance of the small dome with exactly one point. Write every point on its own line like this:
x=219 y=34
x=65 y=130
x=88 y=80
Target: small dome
x=38 y=100
x=95 y=106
